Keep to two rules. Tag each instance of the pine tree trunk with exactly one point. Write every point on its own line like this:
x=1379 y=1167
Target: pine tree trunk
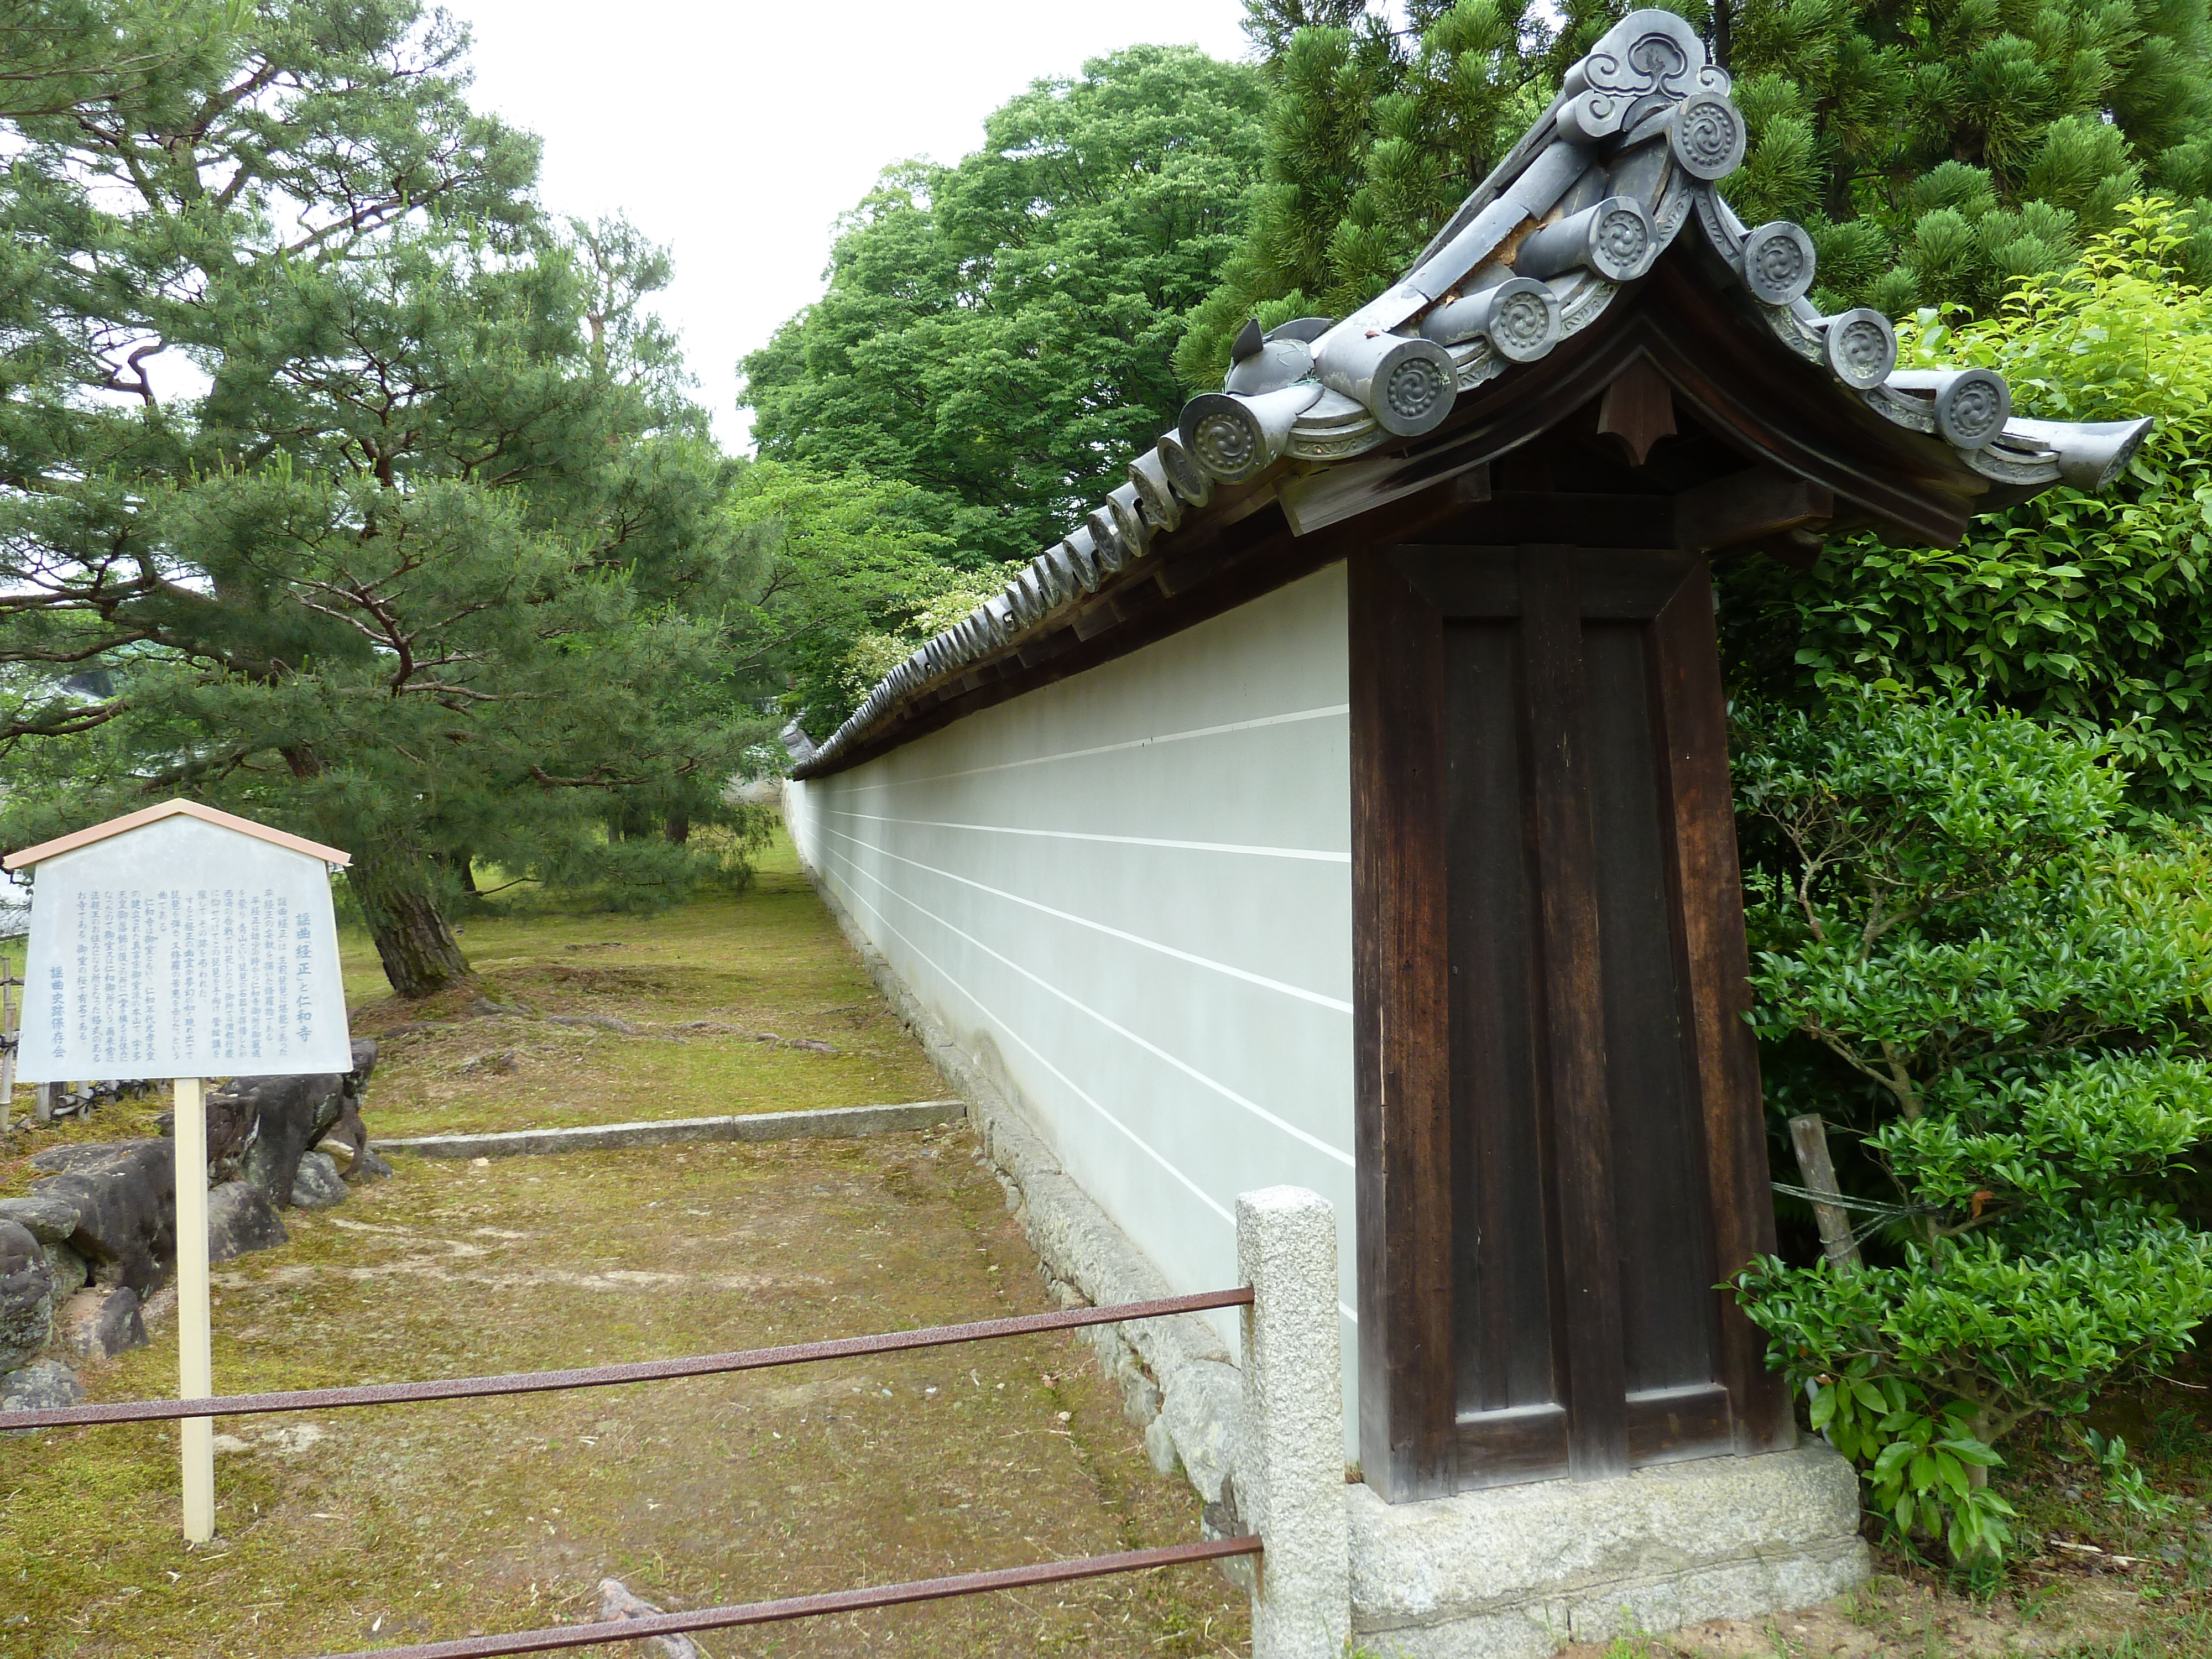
x=419 y=955
x=678 y=828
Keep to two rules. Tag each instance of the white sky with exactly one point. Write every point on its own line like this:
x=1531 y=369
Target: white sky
x=735 y=133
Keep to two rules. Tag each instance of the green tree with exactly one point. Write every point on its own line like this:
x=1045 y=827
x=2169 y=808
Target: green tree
x=1937 y=151
x=1995 y=993
x=998 y=333
x=839 y=576
x=1934 y=151
x=2090 y=613
x=403 y=575
x=1375 y=133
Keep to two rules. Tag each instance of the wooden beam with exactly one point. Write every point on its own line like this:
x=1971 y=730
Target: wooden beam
x=1638 y=409
x=1749 y=508
x=1401 y=1042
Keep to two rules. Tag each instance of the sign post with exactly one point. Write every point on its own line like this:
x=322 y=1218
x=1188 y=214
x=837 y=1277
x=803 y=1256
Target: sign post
x=182 y=943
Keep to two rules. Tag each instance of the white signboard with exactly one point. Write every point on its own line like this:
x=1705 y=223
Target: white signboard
x=181 y=949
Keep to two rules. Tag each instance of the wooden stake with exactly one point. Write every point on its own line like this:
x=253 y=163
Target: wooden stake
x=195 y=1351
x=1809 y=1135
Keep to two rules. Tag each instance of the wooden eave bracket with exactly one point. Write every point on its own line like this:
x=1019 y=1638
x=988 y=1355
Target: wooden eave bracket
x=1761 y=507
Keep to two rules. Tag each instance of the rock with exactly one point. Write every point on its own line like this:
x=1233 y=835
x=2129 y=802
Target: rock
x=318 y=1185
x=499 y=1062
x=68 y=1270
x=285 y=1113
x=616 y=1603
x=97 y=1324
x=240 y=1218
x=125 y=1196
x=52 y=1220
x=26 y=1295
x=44 y=1385
x=339 y=1120
x=355 y=1165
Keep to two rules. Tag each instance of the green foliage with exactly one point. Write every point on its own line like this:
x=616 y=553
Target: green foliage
x=404 y=577
x=1934 y=152
x=843 y=575
x=1374 y=135
x=997 y=333
x=2091 y=613
x=1938 y=152
x=1921 y=1465
x=1962 y=962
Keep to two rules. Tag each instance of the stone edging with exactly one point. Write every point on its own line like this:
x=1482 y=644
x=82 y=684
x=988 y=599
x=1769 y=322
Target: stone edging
x=830 y=1121
x=1180 y=1383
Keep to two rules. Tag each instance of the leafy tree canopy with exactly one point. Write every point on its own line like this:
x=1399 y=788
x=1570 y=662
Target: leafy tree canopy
x=998 y=333
x=1937 y=150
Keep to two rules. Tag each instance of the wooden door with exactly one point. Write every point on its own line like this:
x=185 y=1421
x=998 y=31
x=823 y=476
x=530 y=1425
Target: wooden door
x=1561 y=1148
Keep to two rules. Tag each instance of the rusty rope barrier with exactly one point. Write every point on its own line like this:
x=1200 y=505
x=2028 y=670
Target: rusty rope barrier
x=814 y=1607
x=598 y=1377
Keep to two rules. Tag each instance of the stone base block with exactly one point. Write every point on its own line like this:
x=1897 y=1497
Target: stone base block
x=1519 y=1571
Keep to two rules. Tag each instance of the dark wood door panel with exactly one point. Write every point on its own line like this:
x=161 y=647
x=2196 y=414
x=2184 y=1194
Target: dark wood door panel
x=1672 y=1426
x=1666 y=1265
x=1504 y=1243
x=1620 y=584
x=1560 y=1130
x=1508 y=1447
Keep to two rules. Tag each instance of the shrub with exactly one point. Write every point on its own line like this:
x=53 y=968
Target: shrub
x=2000 y=991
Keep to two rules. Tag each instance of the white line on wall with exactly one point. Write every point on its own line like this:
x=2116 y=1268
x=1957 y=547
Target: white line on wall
x=1312 y=854
x=1332 y=711
x=1119 y=1029
x=1067 y=1082
x=1336 y=1004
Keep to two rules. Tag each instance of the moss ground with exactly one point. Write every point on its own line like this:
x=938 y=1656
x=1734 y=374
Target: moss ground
x=361 y=1530
x=719 y=996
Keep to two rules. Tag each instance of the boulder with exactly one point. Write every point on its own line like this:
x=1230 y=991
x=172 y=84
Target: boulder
x=125 y=1195
x=100 y=1324
x=283 y=1113
x=368 y=1167
x=240 y=1218
x=52 y=1220
x=26 y=1295
x=68 y=1271
x=317 y=1185
x=43 y=1385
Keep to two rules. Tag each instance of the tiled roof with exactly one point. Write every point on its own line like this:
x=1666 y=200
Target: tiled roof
x=1626 y=157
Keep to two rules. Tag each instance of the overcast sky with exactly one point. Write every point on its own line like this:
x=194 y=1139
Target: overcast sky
x=735 y=133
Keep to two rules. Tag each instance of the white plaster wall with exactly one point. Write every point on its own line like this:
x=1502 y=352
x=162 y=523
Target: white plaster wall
x=1129 y=896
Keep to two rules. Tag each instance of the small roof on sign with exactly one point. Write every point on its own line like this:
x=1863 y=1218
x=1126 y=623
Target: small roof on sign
x=170 y=809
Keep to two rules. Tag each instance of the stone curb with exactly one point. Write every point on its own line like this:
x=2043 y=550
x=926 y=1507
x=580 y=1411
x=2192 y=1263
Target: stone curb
x=833 y=1121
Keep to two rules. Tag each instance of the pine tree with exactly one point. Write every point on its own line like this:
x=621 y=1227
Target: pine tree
x=1375 y=130
x=1937 y=151
x=402 y=576
x=1934 y=148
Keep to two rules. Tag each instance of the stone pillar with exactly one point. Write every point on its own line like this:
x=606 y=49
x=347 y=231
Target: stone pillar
x=1292 y=1477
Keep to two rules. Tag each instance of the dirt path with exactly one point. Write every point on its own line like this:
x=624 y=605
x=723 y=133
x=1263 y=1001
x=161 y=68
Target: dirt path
x=410 y=1524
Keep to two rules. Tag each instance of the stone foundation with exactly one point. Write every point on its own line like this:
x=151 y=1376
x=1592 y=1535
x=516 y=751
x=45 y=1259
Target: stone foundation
x=1518 y=1571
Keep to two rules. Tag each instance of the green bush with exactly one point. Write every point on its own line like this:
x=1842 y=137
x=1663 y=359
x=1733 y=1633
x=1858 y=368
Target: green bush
x=1995 y=991
x=2091 y=613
